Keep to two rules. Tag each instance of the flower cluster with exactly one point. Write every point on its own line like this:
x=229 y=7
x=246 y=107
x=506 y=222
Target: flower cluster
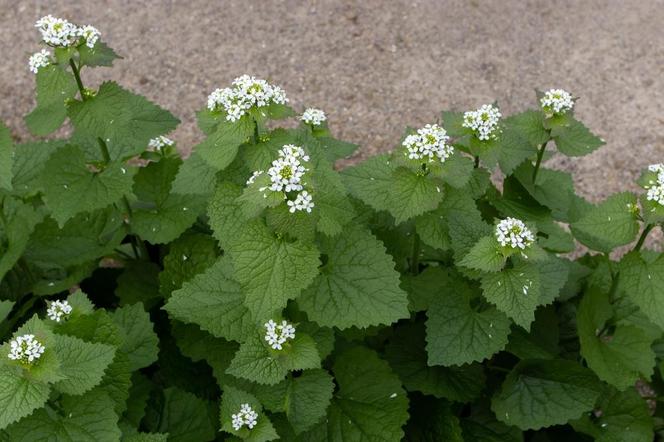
x=314 y=117
x=62 y=33
x=277 y=334
x=513 y=233
x=430 y=143
x=656 y=187
x=25 y=349
x=57 y=310
x=286 y=175
x=156 y=144
x=245 y=93
x=557 y=101
x=246 y=416
x=38 y=60
x=483 y=121
x=303 y=201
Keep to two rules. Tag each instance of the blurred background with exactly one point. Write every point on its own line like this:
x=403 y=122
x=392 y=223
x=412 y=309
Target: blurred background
x=376 y=66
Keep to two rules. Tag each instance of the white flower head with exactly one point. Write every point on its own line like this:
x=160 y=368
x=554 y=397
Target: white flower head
x=291 y=150
x=245 y=93
x=303 y=201
x=246 y=416
x=483 y=121
x=512 y=232
x=656 y=168
x=59 y=310
x=156 y=144
x=38 y=60
x=253 y=176
x=287 y=171
x=655 y=187
x=90 y=34
x=277 y=334
x=557 y=102
x=430 y=143
x=57 y=31
x=25 y=349
x=314 y=117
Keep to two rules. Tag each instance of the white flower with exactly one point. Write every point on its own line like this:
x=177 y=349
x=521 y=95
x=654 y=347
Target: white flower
x=25 y=349
x=513 y=233
x=277 y=335
x=246 y=416
x=557 y=101
x=656 y=187
x=90 y=34
x=39 y=60
x=253 y=176
x=159 y=143
x=430 y=143
x=290 y=150
x=287 y=171
x=246 y=92
x=312 y=116
x=303 y=201
x=656 y=168
x=483 y=121
x=57 y=31
x=57 y=310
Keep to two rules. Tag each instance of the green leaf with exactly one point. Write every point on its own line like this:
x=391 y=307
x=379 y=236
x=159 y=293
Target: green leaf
x=55 y=86
x=539 y=393
x=220 y=148
x=530 y=125
x=87 y=417
x=188 y=256
x=117 y=382
x=222 y=208
x=29 y=161
x=334 y=208
x=140 y=342
x=459 y=334
x=213 y=300
x=407 y=357
x=20 y=222
x=575 y=140
x=337 y=149
x=146 y=437
x=19 y=396
x=82 y=363
x=483 y=427
x=433 y=420
x=541 y=342
x=185 y=417
x=609 y=224
x=99 y=55
x=194 y=177
x=357 y=286
x=70 y=187
x=370 y=404
x=515 y=291
x=455 y=171
x=139 y=282
x=257 y=362
x=618 y=417
x=513 y=149
x=307 y=399
x=5 y=309
x=486 y=256
x=125 y=121
x=231 y=402
x=619 y=357
x=271 y=270
x=6 y=157
x=643 y=281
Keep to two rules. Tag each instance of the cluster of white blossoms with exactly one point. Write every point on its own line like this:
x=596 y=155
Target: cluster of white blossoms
x=656 y=187
x=159 y=143
x=245 y=93
x=557 y=101
x=312 y=116
x=483 y=121
x=246 y=416
x=38 y=60
x=277 y=334
x=303 y=201
x=430 y=143
x=286 y=175
x=57 y=310
x=25 y=349
x=512 y=232
x=62 y=33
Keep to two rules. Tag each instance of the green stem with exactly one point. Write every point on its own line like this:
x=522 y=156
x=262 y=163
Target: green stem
x=77 y=76
x=643 y=237
x=104 y=150
x=415 y=260
x=540 y=155
x=477 y=161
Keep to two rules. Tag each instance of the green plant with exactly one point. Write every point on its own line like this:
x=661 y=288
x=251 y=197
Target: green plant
x=252 y=291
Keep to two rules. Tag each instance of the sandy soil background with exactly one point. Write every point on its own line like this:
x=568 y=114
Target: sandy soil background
x=376 y=66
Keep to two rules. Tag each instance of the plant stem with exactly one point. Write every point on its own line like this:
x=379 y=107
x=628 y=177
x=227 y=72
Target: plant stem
x=104 y=150
x=643 y=236
x=77 y=76
x=540 y=154
x=477 y=162
x=415 y=260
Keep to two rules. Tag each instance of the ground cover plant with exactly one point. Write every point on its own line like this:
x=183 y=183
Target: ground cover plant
x=254 y=292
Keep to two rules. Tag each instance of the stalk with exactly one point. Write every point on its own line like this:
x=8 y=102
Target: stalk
x=540 y=155
x=77 y=76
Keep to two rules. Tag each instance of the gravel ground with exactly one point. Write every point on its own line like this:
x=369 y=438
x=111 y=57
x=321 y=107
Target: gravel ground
x=377 y=66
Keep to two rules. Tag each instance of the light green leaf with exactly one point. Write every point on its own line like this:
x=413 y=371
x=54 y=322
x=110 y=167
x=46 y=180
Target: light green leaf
x=334 y=209
x=540 y=392
x=82 y=363
x=140 y=342
x=609 y=224
x=6 y=157
x=486 y=256
x=620 y=357
x=456 y=171
x=222 y=208
x=307 y=399
x=515 y=291
x=513 y=149
x=214 y=301
x=29 y=161
x=231 y=402
x=124 y=121
x=530 y=125
x=357 y=286
x=643 y=281
x=55 y=86
x=19 y=396
x=459 y=334
x=271 y=270
x=220 y=148
x=99 y=55
x=575 y=140
x=194 y=177
x=70 y=187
